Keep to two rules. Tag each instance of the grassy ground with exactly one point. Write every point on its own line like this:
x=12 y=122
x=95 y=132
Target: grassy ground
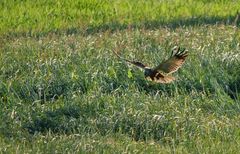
x=39 y=17
x=62 y=89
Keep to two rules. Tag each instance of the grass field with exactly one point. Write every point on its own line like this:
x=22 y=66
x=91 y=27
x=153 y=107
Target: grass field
x=62 y=90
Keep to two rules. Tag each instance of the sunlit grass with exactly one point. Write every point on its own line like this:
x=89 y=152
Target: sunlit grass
x=31 y=17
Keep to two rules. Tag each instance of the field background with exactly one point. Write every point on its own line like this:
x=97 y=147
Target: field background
x=62 y=90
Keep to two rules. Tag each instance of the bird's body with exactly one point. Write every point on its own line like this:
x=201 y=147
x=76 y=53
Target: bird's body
x=154 y=75
x=162 y=73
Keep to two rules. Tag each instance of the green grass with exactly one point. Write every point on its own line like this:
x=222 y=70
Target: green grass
x=63 y=90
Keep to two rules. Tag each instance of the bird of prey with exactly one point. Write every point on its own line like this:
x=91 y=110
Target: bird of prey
x=162 y=72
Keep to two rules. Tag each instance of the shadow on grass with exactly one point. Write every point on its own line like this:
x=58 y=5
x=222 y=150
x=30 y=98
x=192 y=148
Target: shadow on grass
x=63 y=120
x=155 y=24
x=234 y=89
x=117 y=26
x=87 y=119
x=153 y=88
x=233 y=86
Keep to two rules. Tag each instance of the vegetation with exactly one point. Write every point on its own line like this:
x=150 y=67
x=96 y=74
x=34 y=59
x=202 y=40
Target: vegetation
x=63 y=90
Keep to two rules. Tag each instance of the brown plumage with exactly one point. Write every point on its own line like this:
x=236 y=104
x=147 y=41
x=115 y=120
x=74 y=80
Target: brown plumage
x=162 y=73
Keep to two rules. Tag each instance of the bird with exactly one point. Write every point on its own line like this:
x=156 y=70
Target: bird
x=163 y=72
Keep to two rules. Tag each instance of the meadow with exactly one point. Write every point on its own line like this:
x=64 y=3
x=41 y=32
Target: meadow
x=62 y=90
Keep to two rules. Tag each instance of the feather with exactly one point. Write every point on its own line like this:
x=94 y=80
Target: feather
x=173 y=63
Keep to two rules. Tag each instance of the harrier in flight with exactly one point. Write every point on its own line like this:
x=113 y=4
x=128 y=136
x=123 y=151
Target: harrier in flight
x=162 y=72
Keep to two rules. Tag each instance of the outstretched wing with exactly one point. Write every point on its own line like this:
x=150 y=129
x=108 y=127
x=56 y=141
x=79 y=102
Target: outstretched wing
x=174 y=62
x=136 y=63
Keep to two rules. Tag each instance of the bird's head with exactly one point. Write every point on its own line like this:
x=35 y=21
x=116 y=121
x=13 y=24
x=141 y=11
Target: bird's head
x=147 y=71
